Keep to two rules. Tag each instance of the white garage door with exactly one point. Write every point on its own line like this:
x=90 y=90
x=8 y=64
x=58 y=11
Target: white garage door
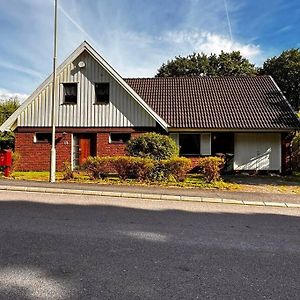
x=257 y=151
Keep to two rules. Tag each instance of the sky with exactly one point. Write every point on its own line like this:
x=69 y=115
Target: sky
x=137 y=36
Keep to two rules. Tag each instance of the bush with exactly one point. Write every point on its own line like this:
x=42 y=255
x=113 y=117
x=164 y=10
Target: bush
x=296 y=152
x=172 y=169
x=129 y=167
x=97 y=167
x=67 y=171
x=152 y=145
x=16 y=157
x=211 y=167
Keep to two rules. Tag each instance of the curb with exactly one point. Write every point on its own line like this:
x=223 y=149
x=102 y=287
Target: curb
x=146 y=196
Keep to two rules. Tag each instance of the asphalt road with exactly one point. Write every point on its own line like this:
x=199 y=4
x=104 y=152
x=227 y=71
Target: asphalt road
x=63 y=247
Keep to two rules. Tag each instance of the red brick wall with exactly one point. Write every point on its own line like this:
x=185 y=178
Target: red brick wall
x=104 y=148
x=36 y=156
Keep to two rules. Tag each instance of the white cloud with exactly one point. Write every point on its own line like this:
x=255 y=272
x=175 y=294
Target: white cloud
x=208 y=43
x=6 y=94
x=21 y=69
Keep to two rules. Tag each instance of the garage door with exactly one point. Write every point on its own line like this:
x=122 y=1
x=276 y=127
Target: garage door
x=257 y=151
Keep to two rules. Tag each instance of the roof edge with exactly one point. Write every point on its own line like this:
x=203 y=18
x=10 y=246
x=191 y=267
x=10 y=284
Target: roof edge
x=285 y=99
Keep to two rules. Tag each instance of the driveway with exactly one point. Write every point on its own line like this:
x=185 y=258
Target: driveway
x=72 y=247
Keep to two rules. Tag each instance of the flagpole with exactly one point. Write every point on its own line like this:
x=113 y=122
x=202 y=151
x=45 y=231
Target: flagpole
x=53 y=112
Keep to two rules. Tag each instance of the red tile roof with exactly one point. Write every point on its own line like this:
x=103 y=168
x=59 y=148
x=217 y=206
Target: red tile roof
x=246 y=102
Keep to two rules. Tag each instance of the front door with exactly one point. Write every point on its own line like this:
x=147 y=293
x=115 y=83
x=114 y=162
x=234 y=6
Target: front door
x=84 y=149
x=84 y=145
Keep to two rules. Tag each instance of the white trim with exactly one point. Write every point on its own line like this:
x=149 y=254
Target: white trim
x=203 y=143
x=280 y=91
x=6 y=126
x=72 y=152
x=112 y=142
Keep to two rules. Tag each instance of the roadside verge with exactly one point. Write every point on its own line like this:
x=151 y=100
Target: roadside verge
x=149 y=196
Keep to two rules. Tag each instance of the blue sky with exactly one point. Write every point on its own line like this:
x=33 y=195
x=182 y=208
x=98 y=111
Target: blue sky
x=137 y=36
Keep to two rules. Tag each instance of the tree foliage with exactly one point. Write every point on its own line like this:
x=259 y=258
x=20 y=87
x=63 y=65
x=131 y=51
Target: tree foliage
x=200 y=64
x=285 y=69
x=7 y=107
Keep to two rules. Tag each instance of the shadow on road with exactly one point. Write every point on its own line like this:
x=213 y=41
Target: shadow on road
x=108 y=252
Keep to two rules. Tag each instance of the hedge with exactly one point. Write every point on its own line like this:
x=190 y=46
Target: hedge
x=142 y=169
x=211 y=167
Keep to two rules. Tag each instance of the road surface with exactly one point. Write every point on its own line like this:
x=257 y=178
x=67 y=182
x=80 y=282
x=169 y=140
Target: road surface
x=72 y=247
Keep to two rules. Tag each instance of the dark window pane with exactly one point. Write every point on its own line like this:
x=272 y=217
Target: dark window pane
x=102 y=92
x=43 y=137
x=70 y=93
x=119 y=137
x=189 y=144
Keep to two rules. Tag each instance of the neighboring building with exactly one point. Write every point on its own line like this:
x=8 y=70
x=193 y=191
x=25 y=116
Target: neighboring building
x=98 y=112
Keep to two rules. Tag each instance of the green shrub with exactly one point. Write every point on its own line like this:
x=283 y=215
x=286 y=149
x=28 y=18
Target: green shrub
x=67 y=171
x=16 y=157
x=97 y=167
x=152 y=145
x=178 y=167
x=129 y=167
x=174 y=169
x=211 y=167
x=296 y=152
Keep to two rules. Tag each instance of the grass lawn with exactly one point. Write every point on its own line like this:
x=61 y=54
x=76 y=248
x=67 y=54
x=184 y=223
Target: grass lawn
x=193 y=180
x=254 y=183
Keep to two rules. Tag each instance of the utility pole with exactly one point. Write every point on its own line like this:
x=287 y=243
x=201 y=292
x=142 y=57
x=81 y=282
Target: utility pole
x=53 y=113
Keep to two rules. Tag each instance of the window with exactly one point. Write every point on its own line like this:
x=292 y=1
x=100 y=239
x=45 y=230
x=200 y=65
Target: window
x=189 y=144
x=70 y=93
x=43 y=137
x=102 y=92
x=195 y=144
x=119 y=137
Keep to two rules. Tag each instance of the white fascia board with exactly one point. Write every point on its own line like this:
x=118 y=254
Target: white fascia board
x=7 y=125
x=286 y=100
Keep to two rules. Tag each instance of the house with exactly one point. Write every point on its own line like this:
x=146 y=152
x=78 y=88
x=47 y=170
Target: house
x=98 y=112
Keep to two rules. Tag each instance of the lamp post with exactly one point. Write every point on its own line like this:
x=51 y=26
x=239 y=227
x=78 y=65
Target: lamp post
x=53 y=112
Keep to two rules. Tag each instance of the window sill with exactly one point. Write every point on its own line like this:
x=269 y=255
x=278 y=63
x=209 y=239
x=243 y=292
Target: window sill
x=69 y=103
x=101 y=103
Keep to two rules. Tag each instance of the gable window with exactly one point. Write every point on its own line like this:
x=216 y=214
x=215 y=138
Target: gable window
x=119 y=138
x=102 y=92
x=70 y=93
x=42 y=137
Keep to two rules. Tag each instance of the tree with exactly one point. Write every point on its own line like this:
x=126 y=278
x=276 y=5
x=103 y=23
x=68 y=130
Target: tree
x=285 y=69
x=7 y=107
x=199 y=64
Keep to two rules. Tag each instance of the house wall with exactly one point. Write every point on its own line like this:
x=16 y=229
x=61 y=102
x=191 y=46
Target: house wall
x=36 y=156
x=122 y=110
x=105 y=148
x=257 y=151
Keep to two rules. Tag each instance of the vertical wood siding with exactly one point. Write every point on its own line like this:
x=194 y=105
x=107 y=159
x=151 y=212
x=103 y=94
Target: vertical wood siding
x=122 y=110
x=257 y=151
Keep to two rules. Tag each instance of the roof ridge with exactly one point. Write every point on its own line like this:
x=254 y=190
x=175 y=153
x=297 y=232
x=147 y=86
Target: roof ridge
x=196 y=77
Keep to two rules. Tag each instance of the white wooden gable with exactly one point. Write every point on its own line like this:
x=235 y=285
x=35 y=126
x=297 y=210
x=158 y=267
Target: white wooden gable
x=125 y=108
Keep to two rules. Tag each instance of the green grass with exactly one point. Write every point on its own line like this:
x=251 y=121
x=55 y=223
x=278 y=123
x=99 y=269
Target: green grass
x=38 y=176
x=193 y=180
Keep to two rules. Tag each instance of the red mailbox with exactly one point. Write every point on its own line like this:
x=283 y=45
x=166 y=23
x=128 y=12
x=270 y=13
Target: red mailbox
x=6 y=161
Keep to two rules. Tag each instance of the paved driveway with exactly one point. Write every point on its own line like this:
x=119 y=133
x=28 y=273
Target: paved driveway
x=63 y=247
